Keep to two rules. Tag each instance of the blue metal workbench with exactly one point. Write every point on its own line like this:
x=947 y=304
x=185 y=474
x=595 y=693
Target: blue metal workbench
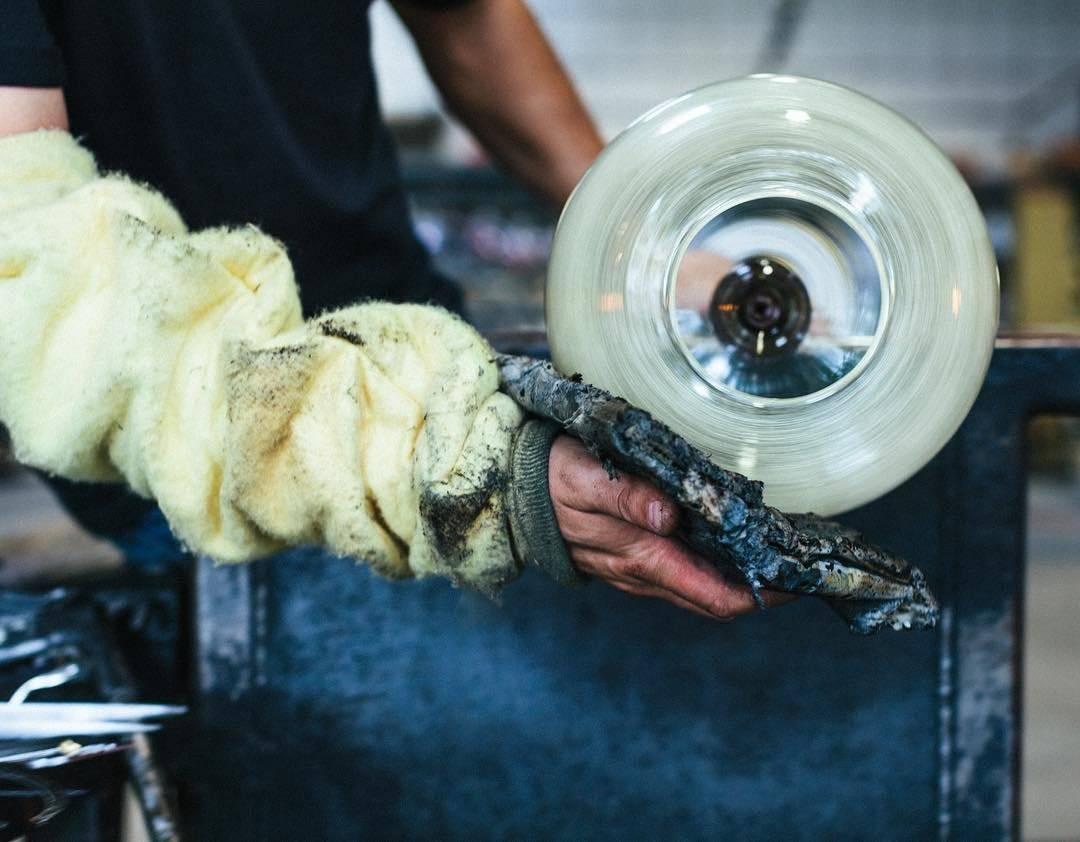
x=335 y=705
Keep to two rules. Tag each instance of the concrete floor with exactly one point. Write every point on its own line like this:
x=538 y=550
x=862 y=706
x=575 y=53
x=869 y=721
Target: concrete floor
x=1051 y=764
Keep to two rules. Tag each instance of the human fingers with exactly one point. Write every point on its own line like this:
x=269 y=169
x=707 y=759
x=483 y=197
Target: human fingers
x=577 y=480
x=637 y=589
x=666 y=565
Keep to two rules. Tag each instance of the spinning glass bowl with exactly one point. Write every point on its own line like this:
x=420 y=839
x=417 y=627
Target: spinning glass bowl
x=790 y=275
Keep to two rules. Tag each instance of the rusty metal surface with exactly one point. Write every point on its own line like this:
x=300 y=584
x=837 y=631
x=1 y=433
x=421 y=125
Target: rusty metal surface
x=982 y=649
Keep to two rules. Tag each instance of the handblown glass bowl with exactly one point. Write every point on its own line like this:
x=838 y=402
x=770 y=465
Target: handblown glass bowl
x=790 y=275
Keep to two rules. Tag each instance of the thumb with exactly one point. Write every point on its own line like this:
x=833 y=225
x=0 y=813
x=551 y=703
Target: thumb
x=636 y=501
x=581 y=482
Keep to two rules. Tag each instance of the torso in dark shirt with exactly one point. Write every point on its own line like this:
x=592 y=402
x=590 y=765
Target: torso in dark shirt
x=240 y=111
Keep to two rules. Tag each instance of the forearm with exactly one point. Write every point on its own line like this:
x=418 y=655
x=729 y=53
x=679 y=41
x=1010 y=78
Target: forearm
x=178 y=362
x=500 y=77
x=28 y=109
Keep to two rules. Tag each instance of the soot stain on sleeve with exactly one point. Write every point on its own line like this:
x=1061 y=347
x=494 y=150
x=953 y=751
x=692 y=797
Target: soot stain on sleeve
x=380 y=519
x=450 y=516
x=338 y=331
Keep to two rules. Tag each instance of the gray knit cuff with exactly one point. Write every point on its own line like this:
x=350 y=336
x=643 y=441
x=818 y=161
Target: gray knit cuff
x=533 y=526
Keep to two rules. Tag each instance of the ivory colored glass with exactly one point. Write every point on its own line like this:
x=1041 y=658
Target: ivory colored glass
x=886 y=344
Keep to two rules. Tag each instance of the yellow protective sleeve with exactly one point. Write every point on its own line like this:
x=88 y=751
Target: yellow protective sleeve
x=134 y=350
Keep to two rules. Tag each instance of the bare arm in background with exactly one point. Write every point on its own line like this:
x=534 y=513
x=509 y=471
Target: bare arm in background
x=499 y=75
x=28 y=109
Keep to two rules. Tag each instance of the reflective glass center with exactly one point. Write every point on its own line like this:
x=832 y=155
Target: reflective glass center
x=776 y=298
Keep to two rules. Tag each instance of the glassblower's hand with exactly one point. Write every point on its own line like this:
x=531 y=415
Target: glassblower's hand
x=621 y=531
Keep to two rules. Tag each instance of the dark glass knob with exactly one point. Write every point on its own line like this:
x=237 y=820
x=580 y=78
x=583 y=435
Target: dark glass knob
x=761 y=307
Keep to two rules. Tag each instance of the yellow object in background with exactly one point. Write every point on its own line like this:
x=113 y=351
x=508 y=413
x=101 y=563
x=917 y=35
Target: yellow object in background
x=1047 y=269
x=1047 y=299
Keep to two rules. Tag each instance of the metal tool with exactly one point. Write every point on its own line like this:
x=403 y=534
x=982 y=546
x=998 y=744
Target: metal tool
x=60 y=754
x=64 y=639
x=62 y=719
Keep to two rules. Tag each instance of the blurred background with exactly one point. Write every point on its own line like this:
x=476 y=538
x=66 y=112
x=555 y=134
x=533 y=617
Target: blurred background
x=995 y=82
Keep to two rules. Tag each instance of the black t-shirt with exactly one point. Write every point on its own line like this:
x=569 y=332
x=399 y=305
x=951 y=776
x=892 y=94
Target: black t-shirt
x=240 y=111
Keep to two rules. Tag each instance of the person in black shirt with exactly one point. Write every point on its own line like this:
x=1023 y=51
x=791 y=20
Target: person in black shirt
x=240 y=111
x=247 y=112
